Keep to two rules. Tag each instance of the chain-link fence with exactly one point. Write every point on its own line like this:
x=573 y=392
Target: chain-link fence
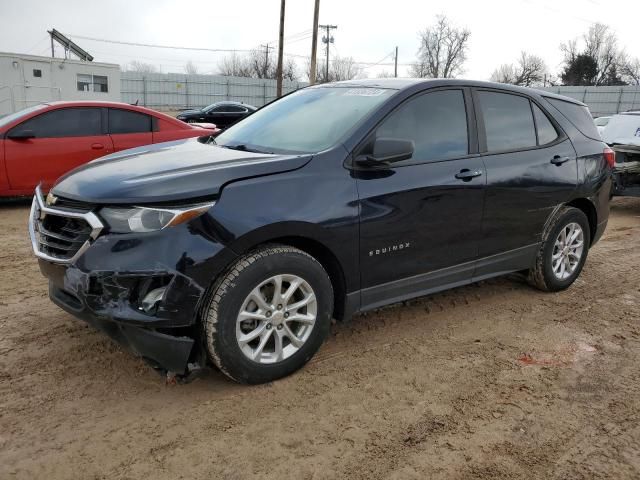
x=603 y=100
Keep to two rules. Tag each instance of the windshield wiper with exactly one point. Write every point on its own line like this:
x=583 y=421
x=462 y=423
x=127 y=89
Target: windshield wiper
x=243 y=148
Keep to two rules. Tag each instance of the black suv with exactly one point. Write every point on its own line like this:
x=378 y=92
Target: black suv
x=335 y=199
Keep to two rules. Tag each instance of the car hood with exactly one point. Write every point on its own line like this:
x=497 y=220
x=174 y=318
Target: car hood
x=622 y=130
x=166 y=172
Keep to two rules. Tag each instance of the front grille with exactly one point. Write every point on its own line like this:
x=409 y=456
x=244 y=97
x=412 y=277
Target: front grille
x=76 y=205
x=62 y=237
x=59 y=233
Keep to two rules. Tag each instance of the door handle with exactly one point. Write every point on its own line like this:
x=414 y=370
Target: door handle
x=558 y=160
x=97 y=146
x=465 y=174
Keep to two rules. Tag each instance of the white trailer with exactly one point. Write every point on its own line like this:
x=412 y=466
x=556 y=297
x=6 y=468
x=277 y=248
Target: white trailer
x=27 y=80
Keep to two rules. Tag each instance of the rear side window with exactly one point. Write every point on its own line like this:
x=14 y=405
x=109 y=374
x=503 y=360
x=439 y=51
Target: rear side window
x=508 y=121
x=578 y=115
x=546 y=131
x=436 y=122
x=125 y=121
x=67 y=122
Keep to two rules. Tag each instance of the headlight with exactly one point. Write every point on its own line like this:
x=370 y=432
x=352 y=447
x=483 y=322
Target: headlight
x=146 y=219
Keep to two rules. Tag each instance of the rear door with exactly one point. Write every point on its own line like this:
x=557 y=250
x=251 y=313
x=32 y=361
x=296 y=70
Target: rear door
x=226 y=115
x=129 y=129
x=420 y=219
x=65 y=138
x=531 y=169
x=236 y=113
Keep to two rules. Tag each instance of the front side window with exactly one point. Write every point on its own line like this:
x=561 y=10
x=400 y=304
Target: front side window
x=508 y=121
x=125 y=121
x=306 y=121
x=436 y=122
x=66 y=122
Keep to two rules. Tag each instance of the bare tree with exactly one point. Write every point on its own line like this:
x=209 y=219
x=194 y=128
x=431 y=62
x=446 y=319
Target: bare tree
x=631 y=72
x=529 y=72
x=340 y=68
x=234 y=66
x=442 y=52
x=190 y=68
x=256 y=64
x=600 y=62
x=290 y=69
x=141 y=67
x=384 y=74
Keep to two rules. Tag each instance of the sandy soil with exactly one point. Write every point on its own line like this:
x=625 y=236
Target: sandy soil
x=494 y=381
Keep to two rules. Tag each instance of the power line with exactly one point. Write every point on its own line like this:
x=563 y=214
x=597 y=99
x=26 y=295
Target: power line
x=153 y=45
x=376 y=63
x=216 y=50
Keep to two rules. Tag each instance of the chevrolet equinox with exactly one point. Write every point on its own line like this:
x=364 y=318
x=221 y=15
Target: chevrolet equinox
x=335 y=199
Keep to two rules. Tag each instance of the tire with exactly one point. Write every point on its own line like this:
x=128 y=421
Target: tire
x=241 y=289
x=542 y=275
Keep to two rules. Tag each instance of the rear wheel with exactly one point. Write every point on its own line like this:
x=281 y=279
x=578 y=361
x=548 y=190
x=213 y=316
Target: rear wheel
x=563 y=252
x=268 y=315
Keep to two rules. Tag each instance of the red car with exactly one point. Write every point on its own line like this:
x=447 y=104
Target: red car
x=40 y=143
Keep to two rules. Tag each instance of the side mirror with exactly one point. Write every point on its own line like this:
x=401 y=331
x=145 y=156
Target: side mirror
x=24 y=134
x=386 y=151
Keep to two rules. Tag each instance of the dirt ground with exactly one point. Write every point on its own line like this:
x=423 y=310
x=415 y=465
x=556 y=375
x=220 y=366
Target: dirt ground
x=490 y=381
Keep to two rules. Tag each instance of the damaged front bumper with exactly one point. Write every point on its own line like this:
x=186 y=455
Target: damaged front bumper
x=143 y=290
x=110 y=302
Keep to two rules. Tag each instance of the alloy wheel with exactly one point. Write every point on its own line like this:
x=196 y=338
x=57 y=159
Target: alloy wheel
x=567 y=251
x=276 y=319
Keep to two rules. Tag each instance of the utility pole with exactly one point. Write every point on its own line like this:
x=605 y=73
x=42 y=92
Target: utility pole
x=280 y=50
x=265 y=70
x=395 y=68
x=314 y=43
x=327 y=39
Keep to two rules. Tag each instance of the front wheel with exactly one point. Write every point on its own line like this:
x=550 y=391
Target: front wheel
x=563 y=251
x=268 y=315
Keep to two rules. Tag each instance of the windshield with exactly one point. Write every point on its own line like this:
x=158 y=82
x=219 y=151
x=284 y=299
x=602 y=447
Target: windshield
x=8 y=118
x=306 y=121
x=602 y=121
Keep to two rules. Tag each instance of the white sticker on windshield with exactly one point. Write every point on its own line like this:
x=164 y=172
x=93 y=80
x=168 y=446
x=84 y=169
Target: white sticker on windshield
x=364 y=92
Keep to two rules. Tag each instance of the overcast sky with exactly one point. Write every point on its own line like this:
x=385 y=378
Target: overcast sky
x=367 y=30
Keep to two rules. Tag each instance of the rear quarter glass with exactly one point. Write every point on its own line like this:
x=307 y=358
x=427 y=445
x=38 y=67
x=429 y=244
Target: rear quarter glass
x=578 y=115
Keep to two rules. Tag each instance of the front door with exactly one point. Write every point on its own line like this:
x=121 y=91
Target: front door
x=420 y=219
x=63 y=139
x=531 y=170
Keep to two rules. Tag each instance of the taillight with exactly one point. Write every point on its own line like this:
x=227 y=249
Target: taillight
x=609 y=156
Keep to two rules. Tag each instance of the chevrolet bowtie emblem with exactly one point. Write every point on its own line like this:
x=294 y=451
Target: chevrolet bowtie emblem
x=51 y=199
